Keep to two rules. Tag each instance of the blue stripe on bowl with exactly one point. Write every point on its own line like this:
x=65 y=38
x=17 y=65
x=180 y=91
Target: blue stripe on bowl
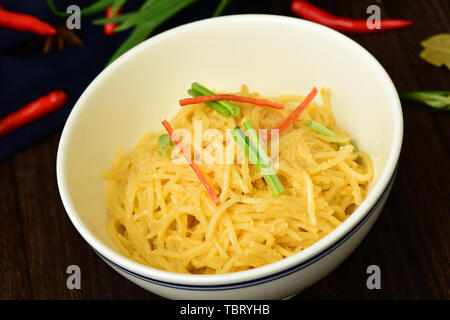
x=262 y=280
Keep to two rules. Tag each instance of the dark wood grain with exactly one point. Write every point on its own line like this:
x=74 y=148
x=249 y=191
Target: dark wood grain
x=410 y=240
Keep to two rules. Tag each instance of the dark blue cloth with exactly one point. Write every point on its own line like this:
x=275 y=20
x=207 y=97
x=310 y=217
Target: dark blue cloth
x=31 y=75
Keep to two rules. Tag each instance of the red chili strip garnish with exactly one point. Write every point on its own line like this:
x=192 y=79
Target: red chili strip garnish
x=231 y=97
x=32 y=111
x=110 y=28
x=194 y=167
x=306 y=10
x=24 y=22
x=297 y=111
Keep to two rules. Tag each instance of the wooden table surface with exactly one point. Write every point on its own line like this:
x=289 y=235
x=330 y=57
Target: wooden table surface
x=409 y=242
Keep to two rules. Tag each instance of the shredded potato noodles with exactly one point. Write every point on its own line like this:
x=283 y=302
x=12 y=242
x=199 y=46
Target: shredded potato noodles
x=162 y=216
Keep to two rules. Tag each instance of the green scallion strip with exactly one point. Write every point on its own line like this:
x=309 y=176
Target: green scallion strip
x=221 y=7
x=146 y=21
x=117 y=5
x=120 y=18
x=213 y=104
x=320 y=129
x=93 y=8
x=250 y=150
x=165 y=145
x=244 y=143
x=234 y=110
x=266 y=168
x=251 y=133
x=439 y=100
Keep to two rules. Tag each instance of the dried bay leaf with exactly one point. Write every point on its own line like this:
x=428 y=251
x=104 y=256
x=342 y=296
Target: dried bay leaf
x=437 y=50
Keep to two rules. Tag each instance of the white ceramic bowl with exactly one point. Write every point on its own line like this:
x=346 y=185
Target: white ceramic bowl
x=273 y=55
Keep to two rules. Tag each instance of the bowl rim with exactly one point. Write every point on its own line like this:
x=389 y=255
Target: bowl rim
x=253 y=274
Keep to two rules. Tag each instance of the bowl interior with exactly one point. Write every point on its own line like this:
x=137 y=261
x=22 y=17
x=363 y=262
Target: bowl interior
x=272 y=55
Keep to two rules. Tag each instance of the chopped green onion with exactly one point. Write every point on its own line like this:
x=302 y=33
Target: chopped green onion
x=120 y=18
x=221 y=7
x=165 y=145
x=155 y=11
x=213 y=104
x=244 y=143
x=93 y=8
x=117 y=5
x=435 y=99
x=150 y=15
x=234 y=110
x=251 y=151
x=255 y=141
x=318 y=128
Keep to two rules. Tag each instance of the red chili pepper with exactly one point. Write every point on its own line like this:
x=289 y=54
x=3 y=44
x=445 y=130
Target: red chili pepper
x=297 y=111
x=315 y=14
x=32 y=111
x=110 y=28
x=231 y=97
x=24 y=22
x=194 y=167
